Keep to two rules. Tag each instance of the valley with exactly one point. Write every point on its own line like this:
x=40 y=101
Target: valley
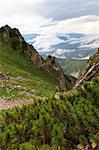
x=41 y=107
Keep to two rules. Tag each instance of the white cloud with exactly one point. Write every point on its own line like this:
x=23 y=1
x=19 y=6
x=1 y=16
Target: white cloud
x=45 y=41
x=27 y=17
x=28 y=25
x=87 y=25
x=21 y=14
x=82 y=58
x=86 y=41
x=84 y=24
x=89 y=41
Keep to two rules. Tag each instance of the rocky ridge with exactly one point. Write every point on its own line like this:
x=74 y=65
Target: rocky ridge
x=17 y=42
x=91 y=70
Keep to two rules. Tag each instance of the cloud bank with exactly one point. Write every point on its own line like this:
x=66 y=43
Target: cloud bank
x=87 y=25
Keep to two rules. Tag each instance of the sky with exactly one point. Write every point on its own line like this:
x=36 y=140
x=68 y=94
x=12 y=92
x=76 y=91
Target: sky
x=30 y=15
x=49 y=18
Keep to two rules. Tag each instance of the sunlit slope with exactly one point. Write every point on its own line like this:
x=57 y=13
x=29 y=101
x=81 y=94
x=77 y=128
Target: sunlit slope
x=20 y=78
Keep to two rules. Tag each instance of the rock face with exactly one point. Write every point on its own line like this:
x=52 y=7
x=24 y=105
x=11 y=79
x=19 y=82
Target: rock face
x=93 y=66
x=91 y=71
x=8 y=33
x=52 y=66
x=17 y=42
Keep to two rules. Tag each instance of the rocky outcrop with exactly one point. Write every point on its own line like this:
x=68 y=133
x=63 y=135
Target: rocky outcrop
x=8 y=33
x=91 y=71
x=17 y=42
x=34 y=55
x=3 y=77
x=15 y=39
x=52 y=66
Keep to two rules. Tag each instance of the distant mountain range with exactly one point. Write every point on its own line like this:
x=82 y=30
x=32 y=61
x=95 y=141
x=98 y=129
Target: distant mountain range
x=72 y=46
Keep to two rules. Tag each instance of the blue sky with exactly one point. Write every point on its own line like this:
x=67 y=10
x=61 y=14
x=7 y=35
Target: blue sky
x=51 y=18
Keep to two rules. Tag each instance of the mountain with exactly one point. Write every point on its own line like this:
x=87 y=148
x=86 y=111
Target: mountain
x=91 y=71
x=93 y=66
x=65 y=121
x=72 y=50
x=36 y=111
x=33 y=116
x=20 y=78
x=16 y=41
x=72 y=66
x=17 y=52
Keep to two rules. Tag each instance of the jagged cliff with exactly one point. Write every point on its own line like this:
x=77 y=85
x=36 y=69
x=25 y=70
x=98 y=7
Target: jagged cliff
x=91 y=70
x=17 y=42
x=52 y=66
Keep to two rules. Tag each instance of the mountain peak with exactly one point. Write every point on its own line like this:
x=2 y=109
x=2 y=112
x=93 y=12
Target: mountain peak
x=14 y=39
x=6 y=27
x=8 y=33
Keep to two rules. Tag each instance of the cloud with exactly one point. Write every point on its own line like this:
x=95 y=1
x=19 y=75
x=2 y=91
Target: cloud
x=51 y=18
x=60 y=53
x=86 y=41
x=89 y=41
x=64 y=9
x=22 y=14
x=45 y=41
x=84 y=24
x=87 y=25
x=28 y=15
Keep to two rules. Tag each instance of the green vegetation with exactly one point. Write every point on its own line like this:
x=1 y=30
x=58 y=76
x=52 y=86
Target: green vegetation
x=15 y=44
x=72 y=66
x=95 y=59
x=22 y=79
x=63 y=122
x=48 y=121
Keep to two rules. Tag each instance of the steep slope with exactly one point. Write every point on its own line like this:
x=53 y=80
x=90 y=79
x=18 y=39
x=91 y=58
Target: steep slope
x=72 y=66
x=65 y=82
x=93 y=66
x=13 y=39
x=20 y=79
x=91 y=71
x=16 y=41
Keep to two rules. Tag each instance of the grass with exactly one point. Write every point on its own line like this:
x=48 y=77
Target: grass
x=71 y=66
x=24 y=79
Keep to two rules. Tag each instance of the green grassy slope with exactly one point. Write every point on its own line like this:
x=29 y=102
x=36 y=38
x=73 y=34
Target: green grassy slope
x=22 y=79
x=71 y=66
